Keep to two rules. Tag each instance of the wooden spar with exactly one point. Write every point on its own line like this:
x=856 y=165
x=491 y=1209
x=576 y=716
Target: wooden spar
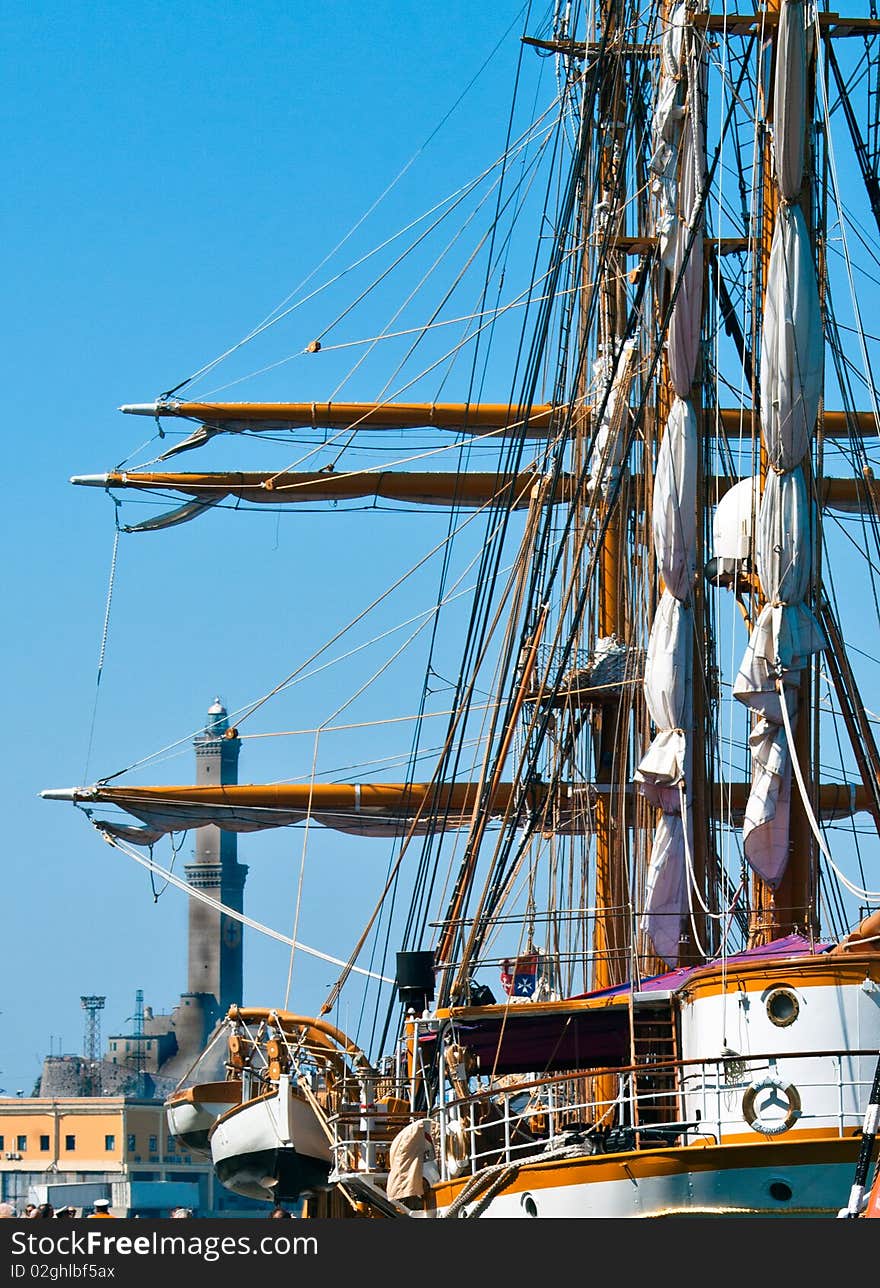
x=746 y=24
x=429 y=488
x=403 y=799
x=726 y=24
x=287 y=488
x=731 y=422
x=463 y=417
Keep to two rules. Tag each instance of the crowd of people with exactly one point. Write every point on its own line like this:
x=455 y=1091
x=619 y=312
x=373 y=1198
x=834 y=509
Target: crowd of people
x=46 y=1211
x=100 y=1208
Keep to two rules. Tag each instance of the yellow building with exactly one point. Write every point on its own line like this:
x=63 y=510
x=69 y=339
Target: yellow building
x=115 y=1147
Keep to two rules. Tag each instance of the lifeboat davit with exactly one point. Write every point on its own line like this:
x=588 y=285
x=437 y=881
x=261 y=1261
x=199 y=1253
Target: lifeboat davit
x=272 y=1146
x=192 y=1111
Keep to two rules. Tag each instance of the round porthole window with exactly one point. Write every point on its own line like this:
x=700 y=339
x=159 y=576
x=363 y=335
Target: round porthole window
x=781 y=1191
x=782 y=1006
x=529 y=1206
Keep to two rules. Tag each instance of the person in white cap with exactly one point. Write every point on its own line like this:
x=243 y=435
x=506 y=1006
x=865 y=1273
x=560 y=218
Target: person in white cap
x=101 y=1208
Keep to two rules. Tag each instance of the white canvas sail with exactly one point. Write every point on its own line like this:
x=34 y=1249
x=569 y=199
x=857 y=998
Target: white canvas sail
x=663 y=771
x=786 y=632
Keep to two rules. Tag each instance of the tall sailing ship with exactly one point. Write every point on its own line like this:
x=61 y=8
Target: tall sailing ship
x=624 y=954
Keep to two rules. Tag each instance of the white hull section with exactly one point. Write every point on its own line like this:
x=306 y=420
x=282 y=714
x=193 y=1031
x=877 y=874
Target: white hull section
x=767 y=1098
x=773 y=1022
x=191 y=1120
x=758 y=1190
x=272 y=1147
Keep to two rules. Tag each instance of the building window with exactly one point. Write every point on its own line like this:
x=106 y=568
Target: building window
x=109 y=1142
x=70 y=1142
x=2 y=1142
x=44 y=1143
x=154 y=1144
x=132 y=1140
x=21 y=1144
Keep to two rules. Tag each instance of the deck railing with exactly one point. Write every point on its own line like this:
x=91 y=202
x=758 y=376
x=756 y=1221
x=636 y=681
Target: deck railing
x=670 y=1103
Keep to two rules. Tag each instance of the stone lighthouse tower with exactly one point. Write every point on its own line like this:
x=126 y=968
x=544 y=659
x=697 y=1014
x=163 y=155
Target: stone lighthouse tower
x=215 y=973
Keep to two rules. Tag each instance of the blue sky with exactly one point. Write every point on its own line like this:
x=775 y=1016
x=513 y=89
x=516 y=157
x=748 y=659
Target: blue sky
x=172 y=171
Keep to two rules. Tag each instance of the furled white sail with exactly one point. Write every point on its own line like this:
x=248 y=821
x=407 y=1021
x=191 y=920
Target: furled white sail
x=663 y=772
x=786 y=632
x=791 y=351
x=674 y=516
x=666 y=133
x=790 y=96
x=687 y=253
x=666 y=891
x=668 y=694
x=170 y=518
x=608 y=442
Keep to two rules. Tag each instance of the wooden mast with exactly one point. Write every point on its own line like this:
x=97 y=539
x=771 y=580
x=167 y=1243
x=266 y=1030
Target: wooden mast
x=611 y=933
x=793 y=904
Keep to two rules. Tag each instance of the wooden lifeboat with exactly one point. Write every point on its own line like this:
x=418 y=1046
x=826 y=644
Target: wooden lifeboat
x=272 y=1146
x=192 y=1111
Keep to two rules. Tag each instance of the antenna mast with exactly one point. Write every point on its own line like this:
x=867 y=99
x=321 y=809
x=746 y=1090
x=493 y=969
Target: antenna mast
x=93 y=1006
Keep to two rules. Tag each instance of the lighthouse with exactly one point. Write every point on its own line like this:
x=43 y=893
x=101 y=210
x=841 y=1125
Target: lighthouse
x=215 y=962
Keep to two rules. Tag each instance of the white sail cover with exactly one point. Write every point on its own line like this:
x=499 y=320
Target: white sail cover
x=668 y=695
x=786 y=632
x=674 y=516
x=663 y=773
x=790 y=96
x=791 y=351
x=162 y=821
x=608 y=442
x=666 y=896
x=687 y=252
x=666 y=133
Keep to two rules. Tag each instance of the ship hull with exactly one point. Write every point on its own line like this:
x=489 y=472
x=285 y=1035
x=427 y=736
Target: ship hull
x=774 y=1129
x=797 y=1178
x=271 y=1147
x=191 y=1113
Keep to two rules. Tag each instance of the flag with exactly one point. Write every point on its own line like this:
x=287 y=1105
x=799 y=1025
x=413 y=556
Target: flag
x=520 y=977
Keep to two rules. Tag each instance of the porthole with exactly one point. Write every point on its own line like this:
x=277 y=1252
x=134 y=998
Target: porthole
x=528 y=1205
x=782 y=1007
x=781 y=1191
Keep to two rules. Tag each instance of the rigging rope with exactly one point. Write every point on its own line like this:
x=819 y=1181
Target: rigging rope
x=275 y=315
x=224 y=908
x=104 y=634
x=807 y=804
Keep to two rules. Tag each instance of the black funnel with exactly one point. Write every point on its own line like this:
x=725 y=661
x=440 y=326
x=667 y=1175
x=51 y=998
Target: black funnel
x=415 y=979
